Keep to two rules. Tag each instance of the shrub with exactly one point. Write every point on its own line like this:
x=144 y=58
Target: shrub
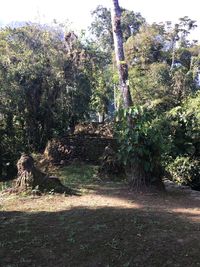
x=185 y=170
x=184 y=128
x=140 y=145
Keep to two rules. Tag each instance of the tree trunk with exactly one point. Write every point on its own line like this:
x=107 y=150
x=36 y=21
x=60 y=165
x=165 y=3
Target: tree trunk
x=173 y=54
x=30 y=178
x=139 y=179
x=119 y=53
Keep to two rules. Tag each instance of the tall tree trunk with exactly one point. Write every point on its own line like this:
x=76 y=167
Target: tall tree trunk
x=119 y=53
x=139 y=178
x=173 y=54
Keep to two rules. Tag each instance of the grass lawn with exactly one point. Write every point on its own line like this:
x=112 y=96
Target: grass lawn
x=107 y=225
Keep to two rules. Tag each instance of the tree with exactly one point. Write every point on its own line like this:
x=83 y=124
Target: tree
x=41 y=73
x=102 y=94
x=151 y=77
x=178 y=34
x=139 y=148
x=131 y=22
x=43 y=89
x=101 y=27
x=119 y=53
x=102 y=39
x=146 y=47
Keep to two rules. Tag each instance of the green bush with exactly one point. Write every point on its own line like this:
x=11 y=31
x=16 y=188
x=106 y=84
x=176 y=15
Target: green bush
x=140 y=143
x=180 y=131
x=162 y=139
x=186 y=171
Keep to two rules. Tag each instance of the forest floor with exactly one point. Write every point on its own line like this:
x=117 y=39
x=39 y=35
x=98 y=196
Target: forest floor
x=107 y=225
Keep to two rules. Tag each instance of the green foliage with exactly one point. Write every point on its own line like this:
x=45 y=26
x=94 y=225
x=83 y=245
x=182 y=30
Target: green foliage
x=102 y=93
x=140 y=140
x=131 y=22
x=146 y=46
x=101 y=27
x=181 y=127
x=43 y=90
x=152 y=84
x=184 y=128
x=186 y=171
x=160 y=139
x=152 y=75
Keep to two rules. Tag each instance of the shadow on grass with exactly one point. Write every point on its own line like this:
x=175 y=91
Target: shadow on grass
x=171 y=198
x=84 y=176
x=98 y=237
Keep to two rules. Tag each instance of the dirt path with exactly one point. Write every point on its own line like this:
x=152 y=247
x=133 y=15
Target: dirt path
x=107 y=226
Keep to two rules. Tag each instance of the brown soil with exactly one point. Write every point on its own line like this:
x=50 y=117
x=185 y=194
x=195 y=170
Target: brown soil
x=107 y=226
